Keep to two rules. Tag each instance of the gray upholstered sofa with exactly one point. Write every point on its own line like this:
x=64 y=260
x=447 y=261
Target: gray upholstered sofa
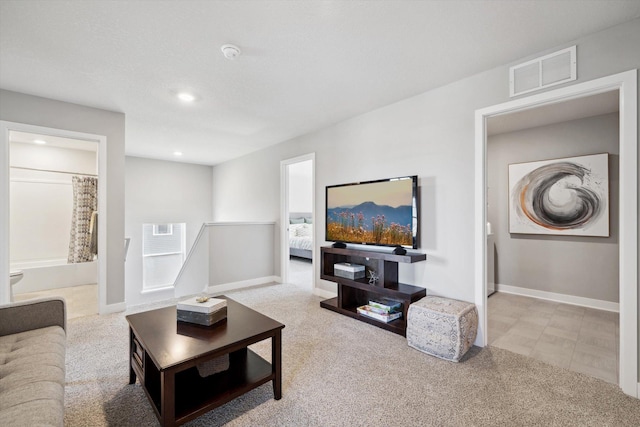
x=32 y=357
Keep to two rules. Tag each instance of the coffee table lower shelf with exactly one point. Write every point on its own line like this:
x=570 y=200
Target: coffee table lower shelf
x=195 y=395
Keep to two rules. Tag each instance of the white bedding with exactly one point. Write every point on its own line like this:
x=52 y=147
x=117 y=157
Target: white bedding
x=300 y=236
x=300 y=243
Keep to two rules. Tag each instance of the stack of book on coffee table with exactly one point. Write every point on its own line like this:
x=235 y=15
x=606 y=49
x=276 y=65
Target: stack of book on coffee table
x=205 y=311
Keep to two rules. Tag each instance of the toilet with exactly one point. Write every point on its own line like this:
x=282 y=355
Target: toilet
x=14 y=277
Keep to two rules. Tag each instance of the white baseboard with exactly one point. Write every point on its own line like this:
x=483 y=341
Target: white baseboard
x=170 y=288
x=242 y=284
x=113 y=308
x=324 y=293
x=566 y=299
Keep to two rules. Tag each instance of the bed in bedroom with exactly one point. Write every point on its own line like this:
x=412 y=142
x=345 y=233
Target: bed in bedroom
x=300 y=235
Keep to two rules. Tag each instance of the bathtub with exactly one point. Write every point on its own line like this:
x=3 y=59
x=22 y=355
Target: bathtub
x=53 y=274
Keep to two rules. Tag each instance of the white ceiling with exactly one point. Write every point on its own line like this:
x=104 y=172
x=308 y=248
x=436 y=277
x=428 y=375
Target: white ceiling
x=578 y=108
x=53 y=141
x=305 y=64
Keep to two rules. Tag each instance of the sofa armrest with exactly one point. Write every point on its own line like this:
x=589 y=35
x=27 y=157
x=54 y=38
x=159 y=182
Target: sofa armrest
x=32 y=314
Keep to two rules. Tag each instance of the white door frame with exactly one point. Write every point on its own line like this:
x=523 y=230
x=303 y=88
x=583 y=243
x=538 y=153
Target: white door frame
x=101 y=140
x=626 y=84
x=284 y=214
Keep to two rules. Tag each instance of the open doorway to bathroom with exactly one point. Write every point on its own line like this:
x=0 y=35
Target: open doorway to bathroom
x=53 y=220
x=298 y=221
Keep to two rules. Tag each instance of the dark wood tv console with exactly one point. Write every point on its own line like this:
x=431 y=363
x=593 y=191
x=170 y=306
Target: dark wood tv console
x=354 y=293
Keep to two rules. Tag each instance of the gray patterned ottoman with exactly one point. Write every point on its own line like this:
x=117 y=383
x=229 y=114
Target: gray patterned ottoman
x=442 y=327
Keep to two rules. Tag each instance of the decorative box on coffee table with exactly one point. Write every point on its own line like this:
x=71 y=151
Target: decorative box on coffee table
x=204 y=311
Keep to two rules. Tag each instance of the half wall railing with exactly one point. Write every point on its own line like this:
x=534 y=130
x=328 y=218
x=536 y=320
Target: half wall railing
x=228 y=255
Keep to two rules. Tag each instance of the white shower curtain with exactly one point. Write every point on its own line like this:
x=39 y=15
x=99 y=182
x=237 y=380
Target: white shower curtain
x=85 y=203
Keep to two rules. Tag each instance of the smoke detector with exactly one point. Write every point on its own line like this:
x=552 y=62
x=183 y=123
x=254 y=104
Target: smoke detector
x=230 y=51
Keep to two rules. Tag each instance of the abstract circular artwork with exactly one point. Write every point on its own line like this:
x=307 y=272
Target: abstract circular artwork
x=565 y=196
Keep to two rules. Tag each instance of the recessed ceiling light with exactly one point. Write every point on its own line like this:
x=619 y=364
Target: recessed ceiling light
x=177 y=153
x=186 y=97
x=39 y=141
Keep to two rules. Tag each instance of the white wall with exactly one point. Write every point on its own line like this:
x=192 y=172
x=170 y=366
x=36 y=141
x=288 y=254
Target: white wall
x=41 y=207
x=571 y=265
x=159 y=191
x=38 y=111
x=300 y=194
x=41 y=203
x=55 y=158
x=240 y=252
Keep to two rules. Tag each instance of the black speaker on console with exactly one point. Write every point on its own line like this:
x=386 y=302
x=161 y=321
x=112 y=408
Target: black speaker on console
x=399 y=250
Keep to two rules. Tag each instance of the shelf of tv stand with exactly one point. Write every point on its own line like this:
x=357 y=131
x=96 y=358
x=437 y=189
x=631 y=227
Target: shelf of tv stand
x=409 y=257
x=396 y=290
x=353 y=293
x=398 y=326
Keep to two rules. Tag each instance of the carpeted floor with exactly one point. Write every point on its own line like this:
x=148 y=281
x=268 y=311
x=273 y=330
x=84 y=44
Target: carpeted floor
x=338 y=371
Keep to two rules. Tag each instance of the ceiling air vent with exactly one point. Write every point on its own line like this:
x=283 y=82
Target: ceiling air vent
x=549 y=70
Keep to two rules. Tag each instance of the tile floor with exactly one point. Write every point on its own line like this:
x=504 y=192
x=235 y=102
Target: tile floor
x=577 y=338
x=81 y=300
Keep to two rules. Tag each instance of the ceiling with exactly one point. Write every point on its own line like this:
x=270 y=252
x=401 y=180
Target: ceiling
x=305 y=65
x=578 y=108
x=52 y=141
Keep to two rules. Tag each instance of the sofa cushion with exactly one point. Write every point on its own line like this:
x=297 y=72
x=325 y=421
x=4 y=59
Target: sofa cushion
x=34 y=413
x=32 y=377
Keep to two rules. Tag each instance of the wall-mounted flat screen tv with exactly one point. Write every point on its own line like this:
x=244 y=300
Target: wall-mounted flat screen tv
x=383 y=212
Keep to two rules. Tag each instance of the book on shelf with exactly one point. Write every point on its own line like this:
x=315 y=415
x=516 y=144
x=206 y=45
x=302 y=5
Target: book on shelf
x=386 y=305
x=377 y=309
x=366 y=310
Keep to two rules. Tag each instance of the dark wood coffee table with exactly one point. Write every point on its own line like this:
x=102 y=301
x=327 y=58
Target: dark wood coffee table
x=164 y=354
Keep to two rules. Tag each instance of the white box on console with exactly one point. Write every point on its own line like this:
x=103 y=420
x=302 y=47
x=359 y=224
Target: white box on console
x=348 y=270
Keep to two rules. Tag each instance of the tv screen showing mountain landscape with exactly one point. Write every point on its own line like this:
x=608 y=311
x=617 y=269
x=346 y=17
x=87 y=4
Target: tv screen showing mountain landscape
x=379 y=213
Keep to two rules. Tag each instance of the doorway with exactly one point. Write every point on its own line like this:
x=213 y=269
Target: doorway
x=53 y=220
x=626 y=85
x=298 y=221
x=557 y=298
x=54 y=197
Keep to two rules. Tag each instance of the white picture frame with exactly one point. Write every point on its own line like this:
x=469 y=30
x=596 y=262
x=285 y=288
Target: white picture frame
x=567 y=196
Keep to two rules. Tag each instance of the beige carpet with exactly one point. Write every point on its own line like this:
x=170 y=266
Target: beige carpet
x=341 y=372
